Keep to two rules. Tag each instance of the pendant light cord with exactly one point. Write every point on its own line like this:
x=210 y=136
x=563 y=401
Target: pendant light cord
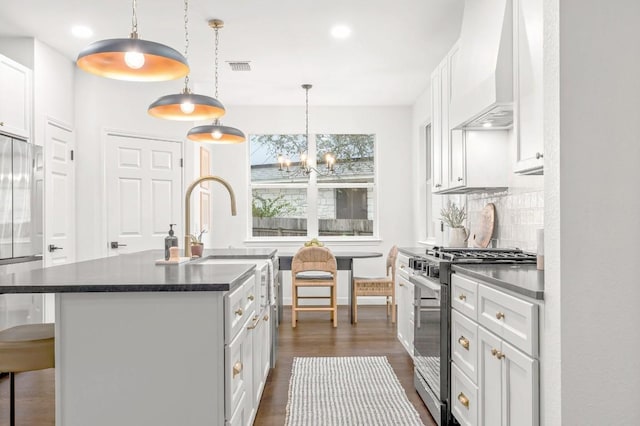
x=186 y=41
x=307 y=116
x=134 y=20
x=216 y=60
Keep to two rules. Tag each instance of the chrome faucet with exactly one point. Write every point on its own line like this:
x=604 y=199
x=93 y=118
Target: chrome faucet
x=187 y=207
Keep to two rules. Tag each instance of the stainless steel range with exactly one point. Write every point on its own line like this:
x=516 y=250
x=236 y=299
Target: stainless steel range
x=431 y=276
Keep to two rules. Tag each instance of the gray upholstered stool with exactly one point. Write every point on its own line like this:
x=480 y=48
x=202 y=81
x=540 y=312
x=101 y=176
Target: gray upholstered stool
x=25 y=348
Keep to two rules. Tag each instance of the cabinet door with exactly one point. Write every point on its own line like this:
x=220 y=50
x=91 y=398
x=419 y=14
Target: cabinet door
x=521 y=388
x=444 y=121
x=405 y=313
x=490 y=375
x=15 y=98
x=528 y=85
x=436 y=132
x=238 y=372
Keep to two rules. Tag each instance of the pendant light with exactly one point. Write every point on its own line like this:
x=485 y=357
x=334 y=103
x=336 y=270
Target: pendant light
x=216 y=132
x=133 y=59
x=186 y=106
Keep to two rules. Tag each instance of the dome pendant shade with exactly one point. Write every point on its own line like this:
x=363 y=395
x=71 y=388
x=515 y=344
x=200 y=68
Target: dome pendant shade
x=216 y=133
x=106 y=58
x=171 y=107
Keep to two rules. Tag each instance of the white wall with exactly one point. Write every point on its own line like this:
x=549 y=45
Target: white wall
x=592 y=280
x=103 y=104
x=392 y=127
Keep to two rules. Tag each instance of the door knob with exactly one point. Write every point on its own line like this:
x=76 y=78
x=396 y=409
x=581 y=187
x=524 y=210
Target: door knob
x=115 y=245
x=53 y=248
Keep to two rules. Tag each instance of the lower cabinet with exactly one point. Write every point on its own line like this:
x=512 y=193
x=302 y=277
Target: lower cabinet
x=494 y=380
x=404 y=300
x=247 y=355
x=508 y=383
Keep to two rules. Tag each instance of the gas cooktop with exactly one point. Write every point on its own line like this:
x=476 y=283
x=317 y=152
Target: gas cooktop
x=481 y=255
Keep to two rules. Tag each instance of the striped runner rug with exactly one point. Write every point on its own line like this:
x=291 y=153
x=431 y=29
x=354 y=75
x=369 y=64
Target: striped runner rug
x=341 y=391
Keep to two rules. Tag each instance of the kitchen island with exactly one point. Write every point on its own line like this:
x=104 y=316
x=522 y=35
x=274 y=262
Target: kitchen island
x=145 y=344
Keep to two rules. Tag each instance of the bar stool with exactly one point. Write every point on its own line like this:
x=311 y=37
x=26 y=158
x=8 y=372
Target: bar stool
x=25 y=348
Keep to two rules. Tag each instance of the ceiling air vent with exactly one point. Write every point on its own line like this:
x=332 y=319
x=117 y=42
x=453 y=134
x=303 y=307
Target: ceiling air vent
x=239 y=65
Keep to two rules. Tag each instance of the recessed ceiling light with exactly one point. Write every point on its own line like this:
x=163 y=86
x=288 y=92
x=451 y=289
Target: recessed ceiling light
x=340 y=31
x=81 y=31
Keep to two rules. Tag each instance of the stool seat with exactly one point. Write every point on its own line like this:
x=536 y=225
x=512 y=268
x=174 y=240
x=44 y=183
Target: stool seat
x=26 y=348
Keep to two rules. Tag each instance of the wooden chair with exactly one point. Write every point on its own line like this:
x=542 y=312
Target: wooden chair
x=25 y=348
x=378 y=286
x=314 y=267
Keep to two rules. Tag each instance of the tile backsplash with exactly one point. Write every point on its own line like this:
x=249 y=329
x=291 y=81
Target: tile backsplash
x=519 y=213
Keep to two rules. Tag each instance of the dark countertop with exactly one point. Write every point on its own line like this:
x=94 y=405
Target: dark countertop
x=522 y=279
x=135 y=272
x=413 y=251
x=240 y=253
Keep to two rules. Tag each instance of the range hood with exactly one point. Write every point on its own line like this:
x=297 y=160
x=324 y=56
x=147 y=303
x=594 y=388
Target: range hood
x=482 y=80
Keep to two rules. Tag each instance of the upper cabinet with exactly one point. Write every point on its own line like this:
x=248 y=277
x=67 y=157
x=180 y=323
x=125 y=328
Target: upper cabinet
x=528 y=86
x=15 y=98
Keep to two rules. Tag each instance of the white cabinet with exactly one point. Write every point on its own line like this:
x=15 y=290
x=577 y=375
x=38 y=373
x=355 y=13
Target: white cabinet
x=462 y=161
x=404 y=299
x=528 y=86
x=508 y=383
x=15 y=98
x=494 y=344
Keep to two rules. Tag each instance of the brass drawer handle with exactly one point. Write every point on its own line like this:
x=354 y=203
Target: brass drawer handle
x=500 y=315
x=464 y=342
x=462 y=297
x=463 y=399
x=239 y=312
x=255 y=323
x=251 y=297
x=497 y=353
x=237 y=368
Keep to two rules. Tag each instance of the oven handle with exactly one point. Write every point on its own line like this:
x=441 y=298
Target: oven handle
x=426 y=283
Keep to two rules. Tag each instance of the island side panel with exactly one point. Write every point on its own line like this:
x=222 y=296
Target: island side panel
x=153 y=358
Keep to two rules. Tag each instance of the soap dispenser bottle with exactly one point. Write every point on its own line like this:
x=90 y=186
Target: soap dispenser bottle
x=170 y=241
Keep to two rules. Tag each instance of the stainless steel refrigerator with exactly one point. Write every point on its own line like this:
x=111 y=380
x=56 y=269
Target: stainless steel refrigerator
x=20 y=199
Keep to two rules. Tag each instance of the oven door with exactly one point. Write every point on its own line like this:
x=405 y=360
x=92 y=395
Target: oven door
x=428 y=350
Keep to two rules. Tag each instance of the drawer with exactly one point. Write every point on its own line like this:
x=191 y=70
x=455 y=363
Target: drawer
x=464 y=295
x=464 y=398
x=464 y=344
x=237 y=374
x=239 y=306
x=513 y=319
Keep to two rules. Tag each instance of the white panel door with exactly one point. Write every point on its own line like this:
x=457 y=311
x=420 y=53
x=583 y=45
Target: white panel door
x=144 y=192
x=60 y=203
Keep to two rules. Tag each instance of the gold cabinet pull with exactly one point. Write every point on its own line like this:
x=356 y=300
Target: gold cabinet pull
x=256 y=320
x=266 y=318
x=1 y=123
x=239 y=312
x=251 y=297
x=463 y=399
x=462 y=297
x=464 y=342
x=401 y=284
x=497 y=353
x=237 y=368
x=500 y=315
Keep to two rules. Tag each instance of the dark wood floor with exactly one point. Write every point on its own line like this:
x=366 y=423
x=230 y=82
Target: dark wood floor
x=373 y=335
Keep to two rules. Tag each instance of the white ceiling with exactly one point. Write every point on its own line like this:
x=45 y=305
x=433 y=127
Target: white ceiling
x=393 y=47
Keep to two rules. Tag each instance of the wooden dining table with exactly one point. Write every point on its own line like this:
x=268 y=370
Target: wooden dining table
x=344 y=260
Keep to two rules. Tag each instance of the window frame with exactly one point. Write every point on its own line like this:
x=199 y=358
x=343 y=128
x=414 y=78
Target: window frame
x=313 y=187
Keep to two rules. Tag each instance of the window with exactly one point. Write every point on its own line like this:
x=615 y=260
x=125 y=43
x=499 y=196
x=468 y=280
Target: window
x=296 y=190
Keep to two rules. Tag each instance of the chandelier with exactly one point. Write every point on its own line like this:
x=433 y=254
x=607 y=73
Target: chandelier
x=305 y=168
